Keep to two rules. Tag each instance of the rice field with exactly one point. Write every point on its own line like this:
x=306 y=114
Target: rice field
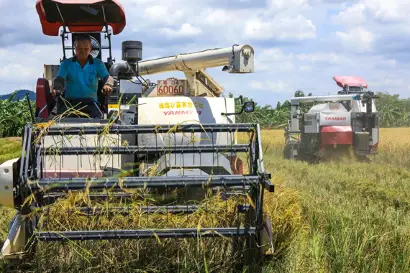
x=337 y=216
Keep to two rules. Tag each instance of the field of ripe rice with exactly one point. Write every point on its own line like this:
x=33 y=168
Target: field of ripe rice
x=337 y=216
x=355 y=216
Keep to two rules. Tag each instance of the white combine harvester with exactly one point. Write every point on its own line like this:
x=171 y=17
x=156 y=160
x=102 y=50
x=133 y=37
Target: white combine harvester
x=346 y=120
x=182 y=128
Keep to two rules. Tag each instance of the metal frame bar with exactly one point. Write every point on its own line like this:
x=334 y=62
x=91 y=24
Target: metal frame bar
x=125 y=210
x=144 y=209
x=330 y=98
x=151 y=129
x=143 y=234
x=57 y=184
x=146 y=149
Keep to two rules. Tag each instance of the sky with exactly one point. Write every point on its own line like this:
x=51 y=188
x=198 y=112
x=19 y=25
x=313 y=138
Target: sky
x=299 y=44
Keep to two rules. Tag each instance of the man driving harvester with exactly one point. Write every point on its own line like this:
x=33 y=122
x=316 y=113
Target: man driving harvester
x=77 y=79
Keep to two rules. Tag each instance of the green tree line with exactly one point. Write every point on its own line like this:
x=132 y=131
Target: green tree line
x=394 y=112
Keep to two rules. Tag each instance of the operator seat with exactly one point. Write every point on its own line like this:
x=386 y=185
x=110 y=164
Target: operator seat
x=43 y=98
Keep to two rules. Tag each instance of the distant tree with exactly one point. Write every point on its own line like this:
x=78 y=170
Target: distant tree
x=286 y=105
x=299 y=93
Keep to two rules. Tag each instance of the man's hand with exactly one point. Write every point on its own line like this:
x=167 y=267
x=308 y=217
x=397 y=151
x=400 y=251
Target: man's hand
x=107 y=89
x=54 y=93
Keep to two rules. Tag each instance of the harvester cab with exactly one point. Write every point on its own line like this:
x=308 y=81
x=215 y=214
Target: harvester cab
x=319 y=124
x=176 y=137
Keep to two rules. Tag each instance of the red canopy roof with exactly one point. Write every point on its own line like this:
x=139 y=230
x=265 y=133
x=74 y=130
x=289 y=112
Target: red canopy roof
x=350 y=81
x=80 y=15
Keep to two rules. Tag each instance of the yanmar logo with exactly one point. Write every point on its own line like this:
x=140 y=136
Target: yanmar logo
x=335 y=118
x=181 y=112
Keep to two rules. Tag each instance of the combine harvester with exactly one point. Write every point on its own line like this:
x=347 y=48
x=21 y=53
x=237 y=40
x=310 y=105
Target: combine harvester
x=178 y=136
x=341 y=122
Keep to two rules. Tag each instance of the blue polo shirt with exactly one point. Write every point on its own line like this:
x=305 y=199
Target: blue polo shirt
x=82 y=82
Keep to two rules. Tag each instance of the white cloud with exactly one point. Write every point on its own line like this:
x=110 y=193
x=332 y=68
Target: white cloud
x=275 y=54
x=305 y=68
x=270 y=86
x=390 y=63
x=156 y=11
x=24 y=64
x=218 y=17
x=257 y=85
x=376 y=25
x=323 y=57
x=357 y=39
x=15 y=72
x=186 y=30
x=282 y=29
x=162 y=14
x=381 y=11
x=279 y=5
x=352 y=16
x=274 y=59
x=388 y=11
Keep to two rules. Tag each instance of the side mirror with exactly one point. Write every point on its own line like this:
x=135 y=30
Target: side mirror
x=226 y=68
x=249 y=106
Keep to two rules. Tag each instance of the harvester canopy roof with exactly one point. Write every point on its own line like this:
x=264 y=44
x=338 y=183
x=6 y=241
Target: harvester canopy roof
x=342 y=81
x=80 y=15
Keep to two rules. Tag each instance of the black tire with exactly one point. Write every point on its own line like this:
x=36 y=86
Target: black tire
x=290 y=146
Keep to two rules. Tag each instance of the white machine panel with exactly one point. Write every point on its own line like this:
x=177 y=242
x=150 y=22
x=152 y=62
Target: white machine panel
x=335 y=119
x=359 y=107
x=185 y=110
x=328 y=107
x=56 y=165
x=6 y=182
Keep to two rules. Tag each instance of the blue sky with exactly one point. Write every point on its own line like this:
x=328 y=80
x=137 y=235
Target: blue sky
x=299 y=44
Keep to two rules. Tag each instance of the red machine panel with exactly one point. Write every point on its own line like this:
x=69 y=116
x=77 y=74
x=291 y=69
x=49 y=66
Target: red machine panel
x=42 y=97
x=331 y=135
x=76 y=15
x=350 y=81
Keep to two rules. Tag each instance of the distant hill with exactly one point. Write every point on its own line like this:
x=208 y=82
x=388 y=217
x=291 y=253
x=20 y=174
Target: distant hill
x=20 y=94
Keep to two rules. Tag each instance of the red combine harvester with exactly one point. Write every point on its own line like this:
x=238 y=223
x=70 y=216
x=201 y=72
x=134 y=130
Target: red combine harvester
x=348 y=119
x=178 y=135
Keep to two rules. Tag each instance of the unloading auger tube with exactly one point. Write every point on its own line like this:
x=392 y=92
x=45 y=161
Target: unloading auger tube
x=238 y=59
x=235 y=59
x=29 y=176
